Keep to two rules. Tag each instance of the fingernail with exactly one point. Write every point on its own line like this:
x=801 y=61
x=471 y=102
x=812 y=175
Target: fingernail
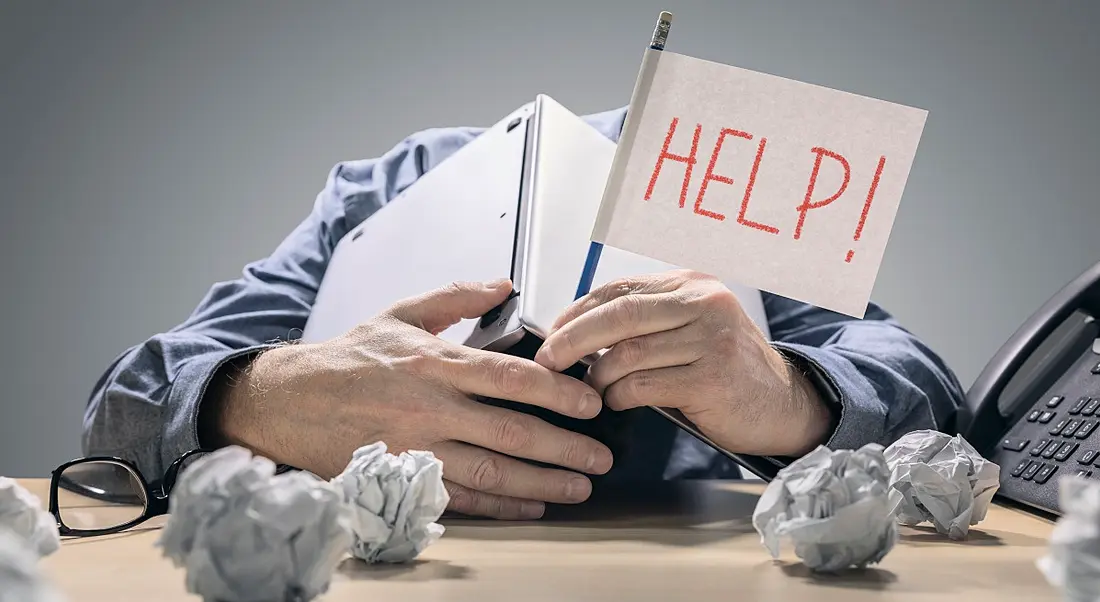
x=578 y=489
x=599 y=462
x=532 y=510
x=590 y=404
x=545 y=355
x=496 y=284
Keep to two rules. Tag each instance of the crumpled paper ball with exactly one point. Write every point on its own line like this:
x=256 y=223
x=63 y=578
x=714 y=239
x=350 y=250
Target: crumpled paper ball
x=22 y=513
x=395 y=502
x=940 y=479
x=20 y=578
x=245 y=534
x=833 y=506
x=1072 y=561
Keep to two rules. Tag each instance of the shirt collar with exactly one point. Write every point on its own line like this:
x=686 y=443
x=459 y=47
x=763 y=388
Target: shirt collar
x=608 y=123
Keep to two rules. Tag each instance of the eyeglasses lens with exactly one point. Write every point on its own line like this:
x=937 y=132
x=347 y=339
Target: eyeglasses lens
x=99 y=495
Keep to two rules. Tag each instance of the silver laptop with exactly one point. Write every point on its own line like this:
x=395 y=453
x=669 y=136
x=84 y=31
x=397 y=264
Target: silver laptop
x=565 y=170
x=459 y=221
x=456 y=223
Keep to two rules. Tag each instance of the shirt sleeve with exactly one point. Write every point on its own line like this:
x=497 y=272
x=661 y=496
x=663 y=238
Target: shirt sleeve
x=144 y=408
x=885 y=380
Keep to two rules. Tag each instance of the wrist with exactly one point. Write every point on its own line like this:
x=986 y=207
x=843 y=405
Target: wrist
x=238 y=406
x=809 y=419
x=817 y=419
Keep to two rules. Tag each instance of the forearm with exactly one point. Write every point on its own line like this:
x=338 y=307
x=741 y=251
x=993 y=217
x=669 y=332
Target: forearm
x=886 y=381
x=145 y=407
x=250 y=403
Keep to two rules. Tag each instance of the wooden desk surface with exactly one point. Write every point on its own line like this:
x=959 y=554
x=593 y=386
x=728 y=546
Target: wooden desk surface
x=688 y=543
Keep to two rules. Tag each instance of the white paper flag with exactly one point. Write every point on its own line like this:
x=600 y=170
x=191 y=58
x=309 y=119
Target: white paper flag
x=780 y=185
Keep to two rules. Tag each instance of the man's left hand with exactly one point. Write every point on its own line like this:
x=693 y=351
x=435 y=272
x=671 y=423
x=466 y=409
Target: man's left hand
x=681 y=340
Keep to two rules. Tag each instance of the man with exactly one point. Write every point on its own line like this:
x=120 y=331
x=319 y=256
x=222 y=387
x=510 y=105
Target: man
x=227 y=375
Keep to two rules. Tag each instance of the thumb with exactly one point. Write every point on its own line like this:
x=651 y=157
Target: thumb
x=438 y=310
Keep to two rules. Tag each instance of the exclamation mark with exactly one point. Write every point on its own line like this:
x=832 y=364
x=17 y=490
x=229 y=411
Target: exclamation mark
x=866 y=207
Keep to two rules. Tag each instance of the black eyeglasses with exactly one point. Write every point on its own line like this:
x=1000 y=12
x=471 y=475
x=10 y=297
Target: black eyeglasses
x=101 y=495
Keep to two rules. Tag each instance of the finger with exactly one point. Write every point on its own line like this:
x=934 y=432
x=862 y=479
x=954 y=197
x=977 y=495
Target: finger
x=489 y=472
x=656 y=283
x=499 y=376
x=438 y=310
x=661 y=387
x=665 y=349
x=524 y=436
x=476 y=503
x=617 y=320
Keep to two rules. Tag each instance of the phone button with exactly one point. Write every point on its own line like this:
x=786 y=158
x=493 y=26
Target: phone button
x=1021 y=467
x=1046 y=417
x=1014 y=444
x=1038 y=449
x=1058 y=427
x=1066 y=451
x=1079 y=405
x=1071 y=428
x=1094 y=404
x=1096 y=368
x=1054 y=401
x=1045 y=473
x=1031 y=470
x=1086 y=429
x=1084 y=473
x=1087 y=457
x=1034 y=416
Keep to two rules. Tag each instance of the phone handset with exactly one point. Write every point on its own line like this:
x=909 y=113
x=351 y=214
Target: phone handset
x=983 y=416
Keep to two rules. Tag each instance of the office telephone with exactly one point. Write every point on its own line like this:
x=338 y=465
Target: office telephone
x=1035 y=408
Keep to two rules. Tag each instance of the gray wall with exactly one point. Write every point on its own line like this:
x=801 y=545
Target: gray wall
x=148 y=149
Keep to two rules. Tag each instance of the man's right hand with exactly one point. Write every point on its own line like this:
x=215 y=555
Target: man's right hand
x=393 y=380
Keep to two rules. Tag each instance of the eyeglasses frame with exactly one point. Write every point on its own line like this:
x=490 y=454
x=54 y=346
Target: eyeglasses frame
x=156 y=493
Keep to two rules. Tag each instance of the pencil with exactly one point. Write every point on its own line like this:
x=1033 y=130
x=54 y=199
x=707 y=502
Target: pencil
x=595 y=249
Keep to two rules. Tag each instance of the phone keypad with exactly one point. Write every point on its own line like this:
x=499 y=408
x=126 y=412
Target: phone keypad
x=1058 y=435
x=1064 y=443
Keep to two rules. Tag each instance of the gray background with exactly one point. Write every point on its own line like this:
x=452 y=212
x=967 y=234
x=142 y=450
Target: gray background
x=148 y=149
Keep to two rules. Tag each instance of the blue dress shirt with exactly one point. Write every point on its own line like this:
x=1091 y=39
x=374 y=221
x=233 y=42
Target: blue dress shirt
x=144 y=407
